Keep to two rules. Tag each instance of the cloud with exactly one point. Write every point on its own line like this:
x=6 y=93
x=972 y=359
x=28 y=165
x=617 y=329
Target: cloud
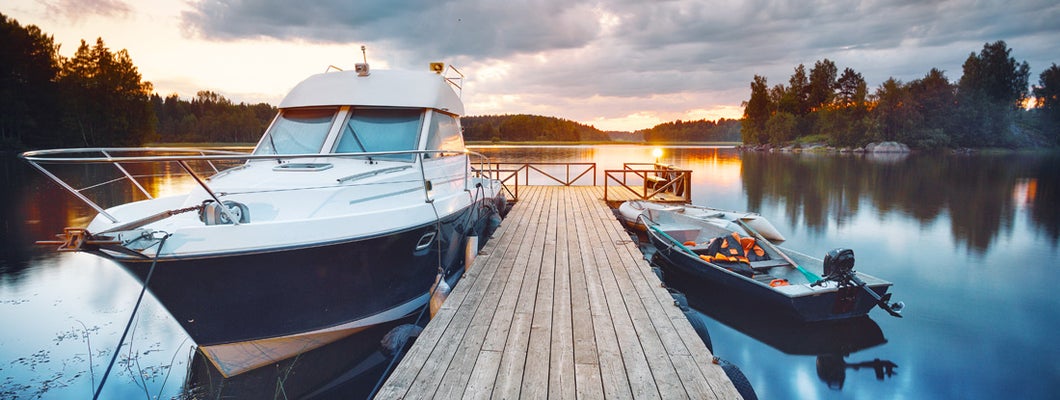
x=477 y=28
x=635 y=59
x=76 y=10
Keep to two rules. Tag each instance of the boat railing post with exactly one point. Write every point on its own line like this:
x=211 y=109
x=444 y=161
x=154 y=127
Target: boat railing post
x=224 y=209
x=127 y=174
x=423 y=179
x=215 y=170
x=73 y=191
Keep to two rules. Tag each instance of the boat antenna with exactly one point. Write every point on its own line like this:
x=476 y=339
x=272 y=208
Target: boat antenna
x=362 y=68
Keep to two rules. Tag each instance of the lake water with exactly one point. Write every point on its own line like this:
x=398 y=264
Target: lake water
x=970 y=242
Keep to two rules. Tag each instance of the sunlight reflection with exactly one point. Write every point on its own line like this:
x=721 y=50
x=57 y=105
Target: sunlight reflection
x=1025 y=192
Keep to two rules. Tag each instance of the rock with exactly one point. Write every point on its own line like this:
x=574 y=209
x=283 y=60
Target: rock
x=889 y=147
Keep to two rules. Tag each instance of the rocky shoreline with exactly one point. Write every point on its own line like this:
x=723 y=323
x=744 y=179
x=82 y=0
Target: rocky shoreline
x=871 y=148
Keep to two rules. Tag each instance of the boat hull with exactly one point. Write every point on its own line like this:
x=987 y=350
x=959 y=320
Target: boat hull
x=267 y=294
x=821 y=304
x=311 y=295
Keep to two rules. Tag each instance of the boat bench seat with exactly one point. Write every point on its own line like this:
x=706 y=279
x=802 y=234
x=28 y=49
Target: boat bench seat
x=682 y=233
x=764 y=278
x=764 y=264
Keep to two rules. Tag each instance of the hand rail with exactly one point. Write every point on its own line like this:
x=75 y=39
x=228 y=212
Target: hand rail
x=182 y=156
x=526 y=168
x=676 y=181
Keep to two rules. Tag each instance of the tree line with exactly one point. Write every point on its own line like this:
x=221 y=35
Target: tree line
x=97 y=98
x=986 y=107
x=528 y=128
x=722 y=130
x=209 y=117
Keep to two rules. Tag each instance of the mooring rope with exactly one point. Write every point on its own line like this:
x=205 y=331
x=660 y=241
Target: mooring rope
x=131 y=317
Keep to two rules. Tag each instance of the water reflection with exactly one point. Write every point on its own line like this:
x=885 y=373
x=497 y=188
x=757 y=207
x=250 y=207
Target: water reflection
x=980 y=194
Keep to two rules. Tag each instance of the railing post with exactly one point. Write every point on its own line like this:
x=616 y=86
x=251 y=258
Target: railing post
x=688 y=186
x=605 y=183
x=128 y=175
x=224 y=208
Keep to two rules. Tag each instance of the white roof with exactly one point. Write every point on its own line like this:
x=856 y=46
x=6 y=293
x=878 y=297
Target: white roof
x=380 y=88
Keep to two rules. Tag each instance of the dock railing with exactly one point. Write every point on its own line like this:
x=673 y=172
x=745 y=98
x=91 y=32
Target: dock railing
x=651 y=182
x=508 y=173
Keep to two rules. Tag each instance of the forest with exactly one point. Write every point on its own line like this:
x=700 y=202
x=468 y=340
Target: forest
x=97 y=98
x=990 y=105
x=722 y=130
x=528 y=128
x=535 y=128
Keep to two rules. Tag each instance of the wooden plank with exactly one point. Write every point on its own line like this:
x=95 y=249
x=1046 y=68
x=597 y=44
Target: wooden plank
x=561 y=375
x=480 y=384
x=536 y=367
x=513 y=360
x=613 y=375
x=510 y=371
x=637 y=368
x=587 y=376
x=510 y=297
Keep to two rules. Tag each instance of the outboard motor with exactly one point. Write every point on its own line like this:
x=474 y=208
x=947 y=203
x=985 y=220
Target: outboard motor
x=838 y=262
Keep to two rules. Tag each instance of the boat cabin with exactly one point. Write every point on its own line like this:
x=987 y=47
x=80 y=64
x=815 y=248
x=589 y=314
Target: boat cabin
x=391 y=112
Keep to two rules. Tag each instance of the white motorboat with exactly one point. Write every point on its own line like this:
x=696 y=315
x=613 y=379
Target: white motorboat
x=359 y=194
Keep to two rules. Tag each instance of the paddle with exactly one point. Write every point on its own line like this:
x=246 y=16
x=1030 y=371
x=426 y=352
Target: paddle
x=670 y=238
x=810 y=276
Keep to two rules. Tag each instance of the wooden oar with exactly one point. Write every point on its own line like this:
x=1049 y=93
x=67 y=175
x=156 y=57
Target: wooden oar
x=810 y=276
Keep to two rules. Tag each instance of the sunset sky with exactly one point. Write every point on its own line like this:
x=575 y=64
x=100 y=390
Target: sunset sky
x=617 y=65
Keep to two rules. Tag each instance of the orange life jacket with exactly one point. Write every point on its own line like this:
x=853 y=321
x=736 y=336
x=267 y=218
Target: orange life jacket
x=733 y=248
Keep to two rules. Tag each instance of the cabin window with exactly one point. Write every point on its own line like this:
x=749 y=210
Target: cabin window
x=298 y=131
x=445 y=135
x=381 y=130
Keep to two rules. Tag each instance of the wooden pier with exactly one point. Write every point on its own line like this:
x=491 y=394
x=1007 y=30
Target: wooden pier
x=559 y=304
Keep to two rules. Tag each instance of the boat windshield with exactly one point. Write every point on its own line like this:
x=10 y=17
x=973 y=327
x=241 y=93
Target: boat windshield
x=381 y=129
x=298 y=131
